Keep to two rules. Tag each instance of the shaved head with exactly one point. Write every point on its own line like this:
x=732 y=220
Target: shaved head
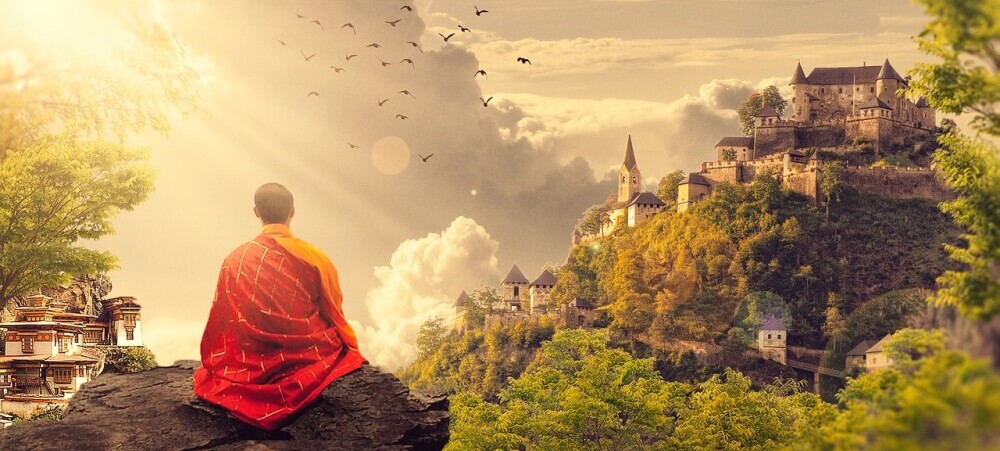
x=274 y=203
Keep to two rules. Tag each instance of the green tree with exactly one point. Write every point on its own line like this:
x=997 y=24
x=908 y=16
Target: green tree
x=667 y=188
x=430 y=336
x=965 y=37
x=594 y=220
x=830 y=184
x=748 y=110
x=62 y=180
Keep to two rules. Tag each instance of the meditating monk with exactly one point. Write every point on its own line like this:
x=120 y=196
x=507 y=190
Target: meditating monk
x=276 y=334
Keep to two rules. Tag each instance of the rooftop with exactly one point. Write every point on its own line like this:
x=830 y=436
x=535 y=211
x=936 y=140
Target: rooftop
x=646 y=199
x=736 y=141
x=695 y=179
x=773 y=323
x=629 y=155
x=875 y=103
x=878 y=347
x=860 y=349
x=515 y=276
x=545 y=278
x=582 y=303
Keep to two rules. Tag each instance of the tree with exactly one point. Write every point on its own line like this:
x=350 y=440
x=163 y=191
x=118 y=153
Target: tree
x=431 y=335
x=748 y=110
x=830 y=184
x=594 y=219
x=965 y=37
x=667 y=189
x=62 y=181
x=729 y=154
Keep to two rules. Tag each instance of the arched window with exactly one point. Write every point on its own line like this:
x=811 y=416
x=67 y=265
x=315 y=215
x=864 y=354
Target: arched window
x=634 y=179
x=623 y=179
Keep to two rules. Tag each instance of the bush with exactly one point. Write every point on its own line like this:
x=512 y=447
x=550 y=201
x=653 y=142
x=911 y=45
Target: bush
x=128 y=359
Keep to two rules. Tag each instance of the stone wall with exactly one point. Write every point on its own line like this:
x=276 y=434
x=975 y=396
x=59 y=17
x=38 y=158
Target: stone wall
x=897 y=182
x=731 y=172
x=773 y=138
x=828 y=134
x=805 y=183
x=883 y=132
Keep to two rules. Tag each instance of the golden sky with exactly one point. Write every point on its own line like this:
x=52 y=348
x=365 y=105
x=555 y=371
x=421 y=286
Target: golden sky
x=506 y=183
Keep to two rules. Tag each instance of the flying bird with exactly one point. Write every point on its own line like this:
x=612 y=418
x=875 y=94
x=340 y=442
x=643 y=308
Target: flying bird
x=307 y=57
x=317 y=23
x=407 y=60
x=405 y=93
x=336 y=69
x=348 y=57
x=300 y=16
x=480 y=12
x=523 y=60
x=401 y=117
x=352 y=145
x=393 y=22
x=481 y=72
x=406 y=7
x=486 y=102
x=351 y=26
x=464 y=30
x=425 y=158
x=281 y=42
x=446 y=38
x=374 y=45
x=384 y=64
x=312 y=93
x=415 y=45
x=381 y=102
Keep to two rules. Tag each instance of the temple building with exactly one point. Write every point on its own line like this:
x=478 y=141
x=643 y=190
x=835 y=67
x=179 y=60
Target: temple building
x=48 y=352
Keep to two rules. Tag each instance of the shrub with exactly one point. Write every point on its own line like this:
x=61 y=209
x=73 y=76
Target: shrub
x=128 y=359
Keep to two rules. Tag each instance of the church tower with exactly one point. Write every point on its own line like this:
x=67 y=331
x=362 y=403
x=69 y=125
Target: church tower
x=629 y=178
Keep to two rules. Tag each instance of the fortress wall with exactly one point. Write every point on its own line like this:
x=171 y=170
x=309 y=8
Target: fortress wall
x=804 y=183
x=885 y=133
x=771 y=139
x=730 y=174
x=897 y=182
x=826 y=135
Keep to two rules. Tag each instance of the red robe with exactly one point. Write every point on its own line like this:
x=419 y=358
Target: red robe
x=276 y=335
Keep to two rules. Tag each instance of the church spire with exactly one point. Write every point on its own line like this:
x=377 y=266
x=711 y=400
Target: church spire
x=629 y=155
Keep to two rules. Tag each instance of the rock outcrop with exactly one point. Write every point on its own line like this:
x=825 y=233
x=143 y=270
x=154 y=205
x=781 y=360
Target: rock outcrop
x=156 y=410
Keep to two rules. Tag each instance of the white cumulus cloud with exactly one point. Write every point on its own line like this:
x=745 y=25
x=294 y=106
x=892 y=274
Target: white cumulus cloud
x=422 y=279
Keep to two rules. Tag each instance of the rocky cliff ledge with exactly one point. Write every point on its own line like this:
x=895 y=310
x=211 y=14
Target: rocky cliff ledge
x=156 y=410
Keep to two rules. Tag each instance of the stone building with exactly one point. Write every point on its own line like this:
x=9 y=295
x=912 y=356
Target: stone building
x=539 y=291
x=875 y=357
x=629 y=206
x=833 y=110
x=514 y=290
x=856 y=357
x=461 y=304
x=48 y=352
x=771 y=339
x=578 y=313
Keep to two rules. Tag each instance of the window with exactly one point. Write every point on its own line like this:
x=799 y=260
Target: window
x=634 y=180
x=62 y=375
x=623 y=179
x=768 y=336
x=28 y=345
x=840 y=90
x=872 y=89
x=517 y=292
x=779 y=336
x=64 y=345
x=130 y=334
x=822 y=90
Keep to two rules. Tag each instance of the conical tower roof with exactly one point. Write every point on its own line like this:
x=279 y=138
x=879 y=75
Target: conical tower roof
x=515 y=276
x=463 y=299
x=800 y=76
x=629 y=155
x=888 y=72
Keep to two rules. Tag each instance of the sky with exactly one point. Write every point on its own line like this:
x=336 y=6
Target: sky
x=506 y=182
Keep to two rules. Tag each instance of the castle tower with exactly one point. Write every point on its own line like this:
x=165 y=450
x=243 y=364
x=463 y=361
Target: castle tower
x=513 y=289
x=629 y=178
x=460 y=304
x=540 y=290
x=800 y=95
x=886 y=85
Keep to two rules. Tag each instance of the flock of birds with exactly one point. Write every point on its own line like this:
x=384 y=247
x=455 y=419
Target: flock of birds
x=385 y=64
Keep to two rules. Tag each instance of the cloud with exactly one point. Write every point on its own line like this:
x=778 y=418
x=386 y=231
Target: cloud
x=422 y=279
x=668 y=135
x=567 y=57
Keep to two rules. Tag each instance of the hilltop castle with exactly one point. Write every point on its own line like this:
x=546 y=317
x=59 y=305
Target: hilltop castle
x=836 y=113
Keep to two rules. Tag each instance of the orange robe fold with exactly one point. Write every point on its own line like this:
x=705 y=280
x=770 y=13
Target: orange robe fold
x=276 y=335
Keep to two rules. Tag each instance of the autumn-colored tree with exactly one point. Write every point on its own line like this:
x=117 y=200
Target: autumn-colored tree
x=749 y=108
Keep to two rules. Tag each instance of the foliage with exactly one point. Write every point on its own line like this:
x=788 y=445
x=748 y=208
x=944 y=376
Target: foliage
x=749 y=108
x=872 y=321
x=431 y=335
x=56 y=192
x=667 y=188
x=972 y=169
x=479 y=361
x=830 y=184
x=594 y=219
x=965 y=36
x=62 y=181
x=51 y=412
x=128 y=359
x=931 y=398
